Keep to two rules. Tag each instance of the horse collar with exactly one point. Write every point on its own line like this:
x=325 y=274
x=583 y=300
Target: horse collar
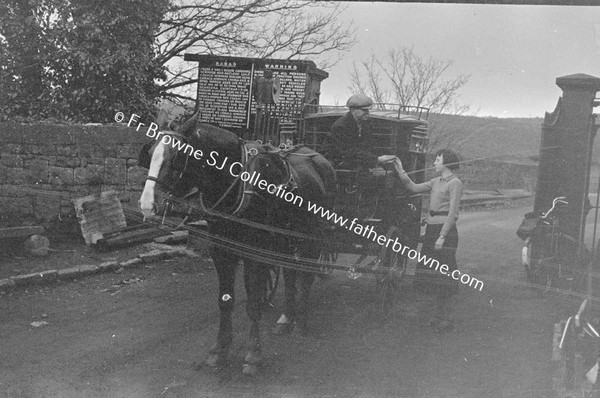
x=250 y=149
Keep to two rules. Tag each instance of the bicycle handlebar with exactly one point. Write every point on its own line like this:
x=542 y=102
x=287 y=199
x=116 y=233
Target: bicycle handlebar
x=587 y=328
x=556 y=201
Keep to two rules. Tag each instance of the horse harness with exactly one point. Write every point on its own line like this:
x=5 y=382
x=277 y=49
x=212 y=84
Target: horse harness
x=249 y=150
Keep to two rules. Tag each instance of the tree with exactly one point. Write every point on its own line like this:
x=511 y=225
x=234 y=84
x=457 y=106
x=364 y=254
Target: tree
x=79 y=60
x=110 y=63
x=407 y=79
x=287 y=29
x=83 y=59
x=25 y=37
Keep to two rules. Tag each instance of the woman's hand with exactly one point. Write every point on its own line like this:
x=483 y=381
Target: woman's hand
x=439 y=243
x=398 y=167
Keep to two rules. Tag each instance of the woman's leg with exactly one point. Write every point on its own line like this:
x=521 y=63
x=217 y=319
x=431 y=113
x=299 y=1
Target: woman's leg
x=449 y=288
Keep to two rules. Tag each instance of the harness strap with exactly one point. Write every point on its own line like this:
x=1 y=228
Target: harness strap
x=250 y=149
x=230 y=217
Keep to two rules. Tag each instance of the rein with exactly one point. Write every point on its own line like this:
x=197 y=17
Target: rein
x=248 y=150
x=253 y=224
x=242 y=187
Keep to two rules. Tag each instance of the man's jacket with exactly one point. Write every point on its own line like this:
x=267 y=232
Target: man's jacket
x=348 y=147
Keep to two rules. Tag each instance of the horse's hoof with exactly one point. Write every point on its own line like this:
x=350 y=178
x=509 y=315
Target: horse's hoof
x=281 y=329
x=215 y=360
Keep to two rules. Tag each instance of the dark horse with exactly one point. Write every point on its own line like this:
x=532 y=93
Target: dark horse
x=212 y=163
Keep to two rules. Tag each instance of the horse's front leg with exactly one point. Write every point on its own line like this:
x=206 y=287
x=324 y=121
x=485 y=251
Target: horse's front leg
x=255 y=280
x=225 y=264
x=285 y=323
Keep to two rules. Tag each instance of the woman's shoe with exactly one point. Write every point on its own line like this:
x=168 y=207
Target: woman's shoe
x=445 y=326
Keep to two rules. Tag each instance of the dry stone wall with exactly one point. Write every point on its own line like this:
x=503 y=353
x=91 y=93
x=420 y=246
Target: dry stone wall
x=44 y=167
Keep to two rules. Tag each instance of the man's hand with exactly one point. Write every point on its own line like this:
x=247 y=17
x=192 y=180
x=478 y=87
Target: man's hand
x=383 y=159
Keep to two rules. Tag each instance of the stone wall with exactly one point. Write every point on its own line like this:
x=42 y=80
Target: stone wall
x=44 y=167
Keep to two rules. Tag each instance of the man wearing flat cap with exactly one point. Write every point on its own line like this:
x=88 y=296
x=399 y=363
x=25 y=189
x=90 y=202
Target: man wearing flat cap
x=349 y=145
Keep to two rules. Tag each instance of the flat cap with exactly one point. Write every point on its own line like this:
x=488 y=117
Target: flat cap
x=359 y=101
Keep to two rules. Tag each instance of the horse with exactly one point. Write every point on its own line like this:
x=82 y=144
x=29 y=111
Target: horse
x=250 y=190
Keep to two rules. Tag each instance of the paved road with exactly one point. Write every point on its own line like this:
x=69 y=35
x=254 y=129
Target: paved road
x=148 y=337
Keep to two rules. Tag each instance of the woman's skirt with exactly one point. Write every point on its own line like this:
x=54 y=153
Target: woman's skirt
x=428 y=280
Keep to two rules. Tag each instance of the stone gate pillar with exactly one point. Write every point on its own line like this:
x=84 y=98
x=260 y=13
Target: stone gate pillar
x=565 y=151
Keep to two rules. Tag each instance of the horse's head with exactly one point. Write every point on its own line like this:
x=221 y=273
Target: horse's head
x=190 y=158
x=167 y=158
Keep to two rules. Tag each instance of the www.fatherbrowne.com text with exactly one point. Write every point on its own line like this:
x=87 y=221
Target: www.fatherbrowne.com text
x=235 y=169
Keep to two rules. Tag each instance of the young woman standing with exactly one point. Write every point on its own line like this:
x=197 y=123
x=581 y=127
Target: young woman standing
x=441 y=235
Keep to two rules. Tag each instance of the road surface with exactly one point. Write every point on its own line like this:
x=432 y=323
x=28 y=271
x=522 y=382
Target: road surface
x=148 y=336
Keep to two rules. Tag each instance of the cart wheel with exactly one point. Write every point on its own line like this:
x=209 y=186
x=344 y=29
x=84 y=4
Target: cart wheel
x=391 y=267
x=272 y=283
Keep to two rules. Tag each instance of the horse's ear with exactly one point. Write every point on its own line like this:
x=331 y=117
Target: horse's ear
x=190 y=125
x=163 y=120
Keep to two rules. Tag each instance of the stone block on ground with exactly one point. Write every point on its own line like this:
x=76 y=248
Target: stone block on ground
x=108 y=265
x=37 y=245
x=35 y=278
x=151 y=256
x=173 y=238
x=68 y=273
x=99 y=215
x=134 y=262
x=88 y=269
x=20 y=231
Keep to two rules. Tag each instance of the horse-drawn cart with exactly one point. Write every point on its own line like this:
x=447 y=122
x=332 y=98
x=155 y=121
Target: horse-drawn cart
x=261 y=206
x=377 y=217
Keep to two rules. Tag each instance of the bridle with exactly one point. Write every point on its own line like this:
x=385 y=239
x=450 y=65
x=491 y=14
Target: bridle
x=248 y=149
x=168 y=203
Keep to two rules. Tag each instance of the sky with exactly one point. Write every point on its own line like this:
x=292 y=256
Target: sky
x=512 y=53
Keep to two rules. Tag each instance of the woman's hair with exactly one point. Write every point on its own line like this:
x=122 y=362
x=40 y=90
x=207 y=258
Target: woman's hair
x=451 y=158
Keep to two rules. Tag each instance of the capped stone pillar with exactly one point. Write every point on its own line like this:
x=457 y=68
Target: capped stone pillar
x=565 y=151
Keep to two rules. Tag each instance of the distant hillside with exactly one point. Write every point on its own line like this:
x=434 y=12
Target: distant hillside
x=510 y=139
x=516 y=140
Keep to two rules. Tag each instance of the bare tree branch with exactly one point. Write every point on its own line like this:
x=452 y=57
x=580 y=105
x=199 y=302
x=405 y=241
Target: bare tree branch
x=407 y=79
x=287 y=29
